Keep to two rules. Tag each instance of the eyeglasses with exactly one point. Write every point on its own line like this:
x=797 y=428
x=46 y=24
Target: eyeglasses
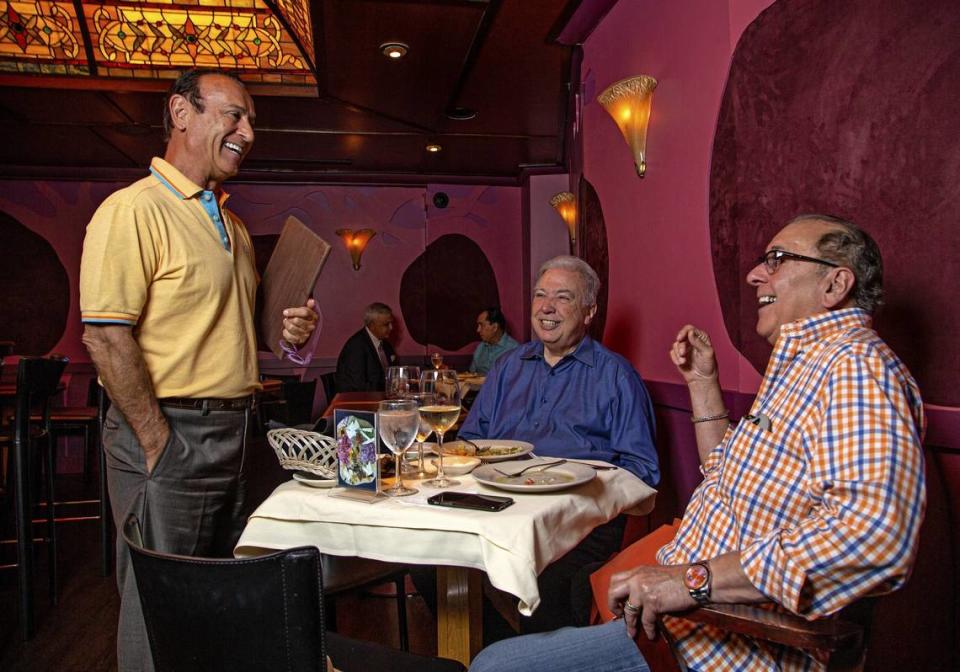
x=291 y=353
x=771 y=260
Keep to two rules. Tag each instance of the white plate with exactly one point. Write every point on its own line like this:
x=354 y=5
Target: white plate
x=570 y=475
x=313 y=480
x=456 y=465
x=514 y=449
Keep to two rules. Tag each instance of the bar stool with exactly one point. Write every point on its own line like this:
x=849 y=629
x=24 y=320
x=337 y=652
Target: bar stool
x=37 y=381
x=88 y=421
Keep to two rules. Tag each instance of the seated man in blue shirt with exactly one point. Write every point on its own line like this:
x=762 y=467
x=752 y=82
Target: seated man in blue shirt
x=492 y=329
x=570 y=397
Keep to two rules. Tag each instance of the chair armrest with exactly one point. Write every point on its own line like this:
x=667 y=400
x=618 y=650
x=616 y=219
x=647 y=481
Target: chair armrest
x=827 y=634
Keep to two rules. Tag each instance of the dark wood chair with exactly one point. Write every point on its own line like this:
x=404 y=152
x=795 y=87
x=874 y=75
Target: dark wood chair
x=262 y=613
x=843 y=639
x=6 y=349
x=328 y=381
x=38 y=380
x=84 y=420
x=88 y=421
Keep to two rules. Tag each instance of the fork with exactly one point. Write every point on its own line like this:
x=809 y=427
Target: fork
x=540 y=465
x=598 y=467
x=476 y=448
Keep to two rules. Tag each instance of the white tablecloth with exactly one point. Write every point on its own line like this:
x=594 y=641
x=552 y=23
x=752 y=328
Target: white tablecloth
x=512 y=546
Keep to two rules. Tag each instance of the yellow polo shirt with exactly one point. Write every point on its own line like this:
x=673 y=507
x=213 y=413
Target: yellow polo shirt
x=163 y=256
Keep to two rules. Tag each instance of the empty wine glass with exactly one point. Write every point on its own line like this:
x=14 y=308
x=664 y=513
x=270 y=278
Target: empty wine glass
x=401 y=380
x=437 y=360
x=398 y=421
x=441 y=414
x=423 y=433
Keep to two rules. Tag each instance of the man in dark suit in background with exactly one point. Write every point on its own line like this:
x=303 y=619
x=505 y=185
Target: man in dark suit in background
x=362 y=365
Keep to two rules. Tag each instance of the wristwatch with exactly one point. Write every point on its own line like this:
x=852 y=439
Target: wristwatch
x=697 y=581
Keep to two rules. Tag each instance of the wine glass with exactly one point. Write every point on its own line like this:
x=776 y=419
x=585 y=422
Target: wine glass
x=437 y=360
x=441 y=414
x=401 y=380
x=423 y=433
x=398 y=421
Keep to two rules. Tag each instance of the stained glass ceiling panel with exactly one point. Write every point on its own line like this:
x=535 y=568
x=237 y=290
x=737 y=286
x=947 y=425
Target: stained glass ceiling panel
x=269 y=43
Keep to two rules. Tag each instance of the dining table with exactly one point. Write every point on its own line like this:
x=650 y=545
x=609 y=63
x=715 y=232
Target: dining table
x=355 y=401
x=511 y=547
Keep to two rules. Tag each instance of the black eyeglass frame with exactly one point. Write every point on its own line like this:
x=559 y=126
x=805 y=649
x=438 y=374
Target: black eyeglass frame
x=778 y=257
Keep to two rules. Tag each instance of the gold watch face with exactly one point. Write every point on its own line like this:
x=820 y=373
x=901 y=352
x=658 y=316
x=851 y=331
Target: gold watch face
x=696 y=577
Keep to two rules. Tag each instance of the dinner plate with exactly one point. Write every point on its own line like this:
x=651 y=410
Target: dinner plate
x=560 y=477
x=490 y=450
x=313 y=480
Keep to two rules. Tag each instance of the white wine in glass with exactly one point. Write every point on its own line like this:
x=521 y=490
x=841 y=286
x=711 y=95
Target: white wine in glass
x=441 y=414
x=423 y=433
x=398 y=421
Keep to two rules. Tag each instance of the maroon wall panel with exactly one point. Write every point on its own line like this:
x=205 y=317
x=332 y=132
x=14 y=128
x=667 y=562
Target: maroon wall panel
x=848 y=108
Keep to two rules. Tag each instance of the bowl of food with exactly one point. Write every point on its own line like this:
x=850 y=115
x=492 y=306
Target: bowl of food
x=456 y=465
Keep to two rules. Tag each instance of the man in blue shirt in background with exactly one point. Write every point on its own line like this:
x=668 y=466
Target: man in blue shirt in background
x=573 y=398
x=492 y=330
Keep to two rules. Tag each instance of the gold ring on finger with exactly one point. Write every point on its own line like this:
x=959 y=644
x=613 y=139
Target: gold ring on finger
x=632 y=608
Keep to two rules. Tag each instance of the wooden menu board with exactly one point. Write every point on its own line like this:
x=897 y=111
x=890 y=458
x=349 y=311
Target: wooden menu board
x=291 y=273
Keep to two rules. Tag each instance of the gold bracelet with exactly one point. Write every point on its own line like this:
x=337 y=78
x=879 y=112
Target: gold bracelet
x=710 y=418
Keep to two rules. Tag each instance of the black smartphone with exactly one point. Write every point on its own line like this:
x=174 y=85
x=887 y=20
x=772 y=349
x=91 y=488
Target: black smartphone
x=470 y=500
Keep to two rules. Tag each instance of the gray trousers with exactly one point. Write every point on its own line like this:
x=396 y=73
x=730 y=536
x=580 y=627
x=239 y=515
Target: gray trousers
x=191 y=504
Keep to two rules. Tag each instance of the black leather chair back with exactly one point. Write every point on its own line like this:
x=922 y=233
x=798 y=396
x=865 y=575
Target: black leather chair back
x=262 y=613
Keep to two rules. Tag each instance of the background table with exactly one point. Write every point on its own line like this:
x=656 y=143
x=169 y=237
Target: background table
x=512 y=546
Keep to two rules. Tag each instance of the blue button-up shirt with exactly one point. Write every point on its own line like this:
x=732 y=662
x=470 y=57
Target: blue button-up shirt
x=591 y=405
x=488 y=353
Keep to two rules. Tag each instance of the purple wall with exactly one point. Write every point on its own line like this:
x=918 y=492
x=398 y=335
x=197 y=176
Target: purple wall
x=490 y=216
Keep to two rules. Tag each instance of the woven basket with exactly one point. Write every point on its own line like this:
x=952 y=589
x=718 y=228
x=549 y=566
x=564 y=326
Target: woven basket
x=301 y=450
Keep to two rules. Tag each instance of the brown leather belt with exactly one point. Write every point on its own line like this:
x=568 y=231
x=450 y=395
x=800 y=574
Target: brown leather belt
x=208 y=404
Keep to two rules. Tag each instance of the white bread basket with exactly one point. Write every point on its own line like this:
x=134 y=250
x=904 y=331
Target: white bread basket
x=301 y=450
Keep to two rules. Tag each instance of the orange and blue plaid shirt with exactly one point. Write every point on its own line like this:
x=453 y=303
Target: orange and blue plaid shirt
x=823 y=497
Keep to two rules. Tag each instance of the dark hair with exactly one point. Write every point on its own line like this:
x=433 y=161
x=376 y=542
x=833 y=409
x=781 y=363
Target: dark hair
x=495 y=316
x=188 y=86
x=852 y=247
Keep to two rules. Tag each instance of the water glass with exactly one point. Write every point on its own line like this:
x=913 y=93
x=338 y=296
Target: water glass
x=398 y=421
x=402 y=380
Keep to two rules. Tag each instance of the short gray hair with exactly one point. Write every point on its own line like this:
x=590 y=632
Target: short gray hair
x=852 y=247
x=588 y=276
x=375 y=310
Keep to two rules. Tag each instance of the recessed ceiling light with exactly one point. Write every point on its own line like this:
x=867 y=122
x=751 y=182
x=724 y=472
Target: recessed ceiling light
x=394 y=50
x=433 y=148
x=461 y=113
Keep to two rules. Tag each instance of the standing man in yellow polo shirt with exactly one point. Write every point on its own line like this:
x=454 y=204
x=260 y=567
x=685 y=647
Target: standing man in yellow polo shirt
x=167 y=294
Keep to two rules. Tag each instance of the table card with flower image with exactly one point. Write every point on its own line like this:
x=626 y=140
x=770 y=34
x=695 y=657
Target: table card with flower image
x=357 y=440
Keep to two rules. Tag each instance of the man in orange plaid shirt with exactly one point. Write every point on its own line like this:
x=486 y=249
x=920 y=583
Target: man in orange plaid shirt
x=812 y=501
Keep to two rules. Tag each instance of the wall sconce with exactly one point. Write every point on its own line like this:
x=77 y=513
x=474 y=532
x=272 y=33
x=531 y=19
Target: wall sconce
x=628 y=102
x=356 y=243
x=565 y=204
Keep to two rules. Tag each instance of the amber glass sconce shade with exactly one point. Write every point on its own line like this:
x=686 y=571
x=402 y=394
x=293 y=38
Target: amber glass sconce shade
x=356 y=243
x=628 y=102
x=565 y=204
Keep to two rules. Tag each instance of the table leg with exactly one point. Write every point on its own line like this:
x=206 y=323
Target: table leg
x=459 y=613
